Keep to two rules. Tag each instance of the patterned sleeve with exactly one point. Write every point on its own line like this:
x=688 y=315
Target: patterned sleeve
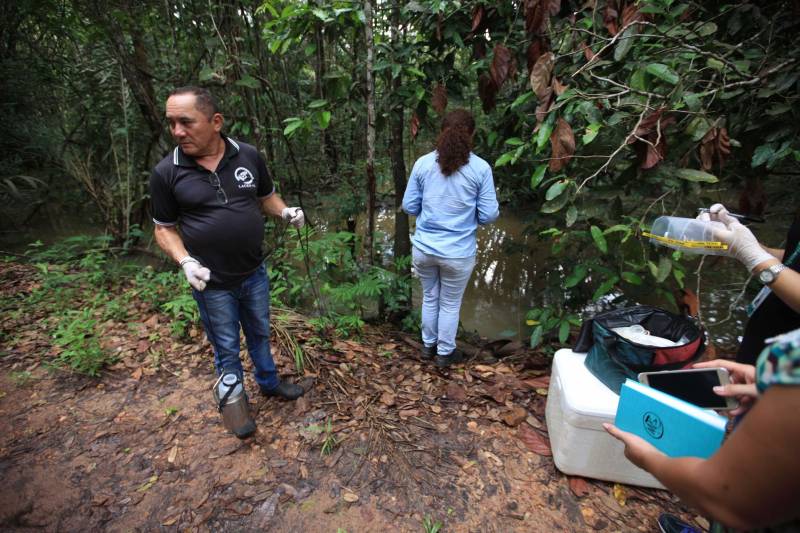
x=779 y=363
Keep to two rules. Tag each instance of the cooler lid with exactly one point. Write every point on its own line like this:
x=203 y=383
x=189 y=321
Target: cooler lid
x=581 y=392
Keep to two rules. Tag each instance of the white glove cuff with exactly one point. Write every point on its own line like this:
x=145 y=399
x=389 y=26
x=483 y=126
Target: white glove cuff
x=188 y=259
x=753 y=257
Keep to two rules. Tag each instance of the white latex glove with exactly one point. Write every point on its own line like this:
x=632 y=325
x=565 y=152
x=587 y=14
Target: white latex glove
x=294 y=216
x=196 y=274
x=742 y=244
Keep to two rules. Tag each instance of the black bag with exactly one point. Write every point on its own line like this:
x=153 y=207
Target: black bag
x=612 y=358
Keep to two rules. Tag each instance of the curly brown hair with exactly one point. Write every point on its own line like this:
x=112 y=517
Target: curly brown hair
x=455 y=140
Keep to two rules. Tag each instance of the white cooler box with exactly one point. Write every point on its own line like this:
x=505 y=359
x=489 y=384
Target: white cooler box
x=577 y=405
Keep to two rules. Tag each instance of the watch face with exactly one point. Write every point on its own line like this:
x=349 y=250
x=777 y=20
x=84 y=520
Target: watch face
x=766 y=276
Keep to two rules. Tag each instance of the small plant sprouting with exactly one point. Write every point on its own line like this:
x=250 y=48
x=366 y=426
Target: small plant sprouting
x=429 y=526
x=330 y=442
x=169 y=411
x=21 y=378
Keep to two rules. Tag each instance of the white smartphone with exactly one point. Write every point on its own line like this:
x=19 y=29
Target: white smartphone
x=693 y=385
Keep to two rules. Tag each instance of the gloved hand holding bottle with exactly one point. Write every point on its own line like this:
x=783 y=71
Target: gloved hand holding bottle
x=294 y=216
x=742 y=244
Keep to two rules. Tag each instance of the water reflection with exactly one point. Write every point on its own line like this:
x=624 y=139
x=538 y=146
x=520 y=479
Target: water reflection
x=513 y=272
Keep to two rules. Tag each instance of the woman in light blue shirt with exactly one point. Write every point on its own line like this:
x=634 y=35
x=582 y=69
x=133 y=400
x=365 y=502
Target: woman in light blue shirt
x=451 y=192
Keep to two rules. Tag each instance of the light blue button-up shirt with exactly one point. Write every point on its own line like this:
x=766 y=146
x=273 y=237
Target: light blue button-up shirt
x=449 y=208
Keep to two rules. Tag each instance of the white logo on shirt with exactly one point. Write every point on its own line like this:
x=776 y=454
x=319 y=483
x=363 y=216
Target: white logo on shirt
x=244 y=177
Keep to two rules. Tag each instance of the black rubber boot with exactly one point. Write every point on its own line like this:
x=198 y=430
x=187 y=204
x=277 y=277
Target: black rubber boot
x=427 y=353
x=453 y=358
x=285 y=390
x=245 y=431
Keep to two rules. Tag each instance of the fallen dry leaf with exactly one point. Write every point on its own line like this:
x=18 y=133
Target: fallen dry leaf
x=349 y=497
x=456 y=392
x=173 y=453
x=170 y=521
x=387 y=399
x=407 y=413
x=542 y=382
x=578 y=486
x=515 y=416
x=619 y=494
x=535 y=442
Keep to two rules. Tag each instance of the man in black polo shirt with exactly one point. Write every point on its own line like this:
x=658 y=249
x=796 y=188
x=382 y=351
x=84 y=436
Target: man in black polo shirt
x=217 y=190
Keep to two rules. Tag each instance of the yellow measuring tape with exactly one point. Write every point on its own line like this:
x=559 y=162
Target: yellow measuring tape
x=711 y=245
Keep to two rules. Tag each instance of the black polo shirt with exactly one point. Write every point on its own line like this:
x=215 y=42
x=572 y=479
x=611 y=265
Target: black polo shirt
x=224 y=236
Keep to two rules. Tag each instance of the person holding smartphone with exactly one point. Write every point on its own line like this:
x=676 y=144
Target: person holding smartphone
x=776 y=308
x=753 y=480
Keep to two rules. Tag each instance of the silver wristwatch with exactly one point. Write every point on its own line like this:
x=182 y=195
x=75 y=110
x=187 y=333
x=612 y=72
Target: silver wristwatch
x=770 y=274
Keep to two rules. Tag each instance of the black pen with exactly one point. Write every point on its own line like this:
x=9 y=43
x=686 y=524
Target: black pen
x=744 y=218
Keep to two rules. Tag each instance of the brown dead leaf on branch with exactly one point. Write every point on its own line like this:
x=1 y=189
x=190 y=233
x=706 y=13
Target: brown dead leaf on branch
x=563 y=145
x=540 y=80
x=541 y=75
x=535 y=16
x=503 y=65
x=614 y=22
x=537 y=47
x=715 y=145
x=439 y=98
x=650 y=140
x=610 y=15
x=535 y=442
x=414 y=124
x=538 y=13
x=477 y=18
x=587 y=52
x=630 y=14
x=487 y=90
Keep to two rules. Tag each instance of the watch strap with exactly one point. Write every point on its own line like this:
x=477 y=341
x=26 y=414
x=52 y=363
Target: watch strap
x=775 y=270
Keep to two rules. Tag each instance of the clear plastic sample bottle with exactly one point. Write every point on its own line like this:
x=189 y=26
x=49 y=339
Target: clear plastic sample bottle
x=686 y=234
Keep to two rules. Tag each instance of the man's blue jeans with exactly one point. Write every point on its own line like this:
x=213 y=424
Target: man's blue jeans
x=443 y=283
x=223 y=310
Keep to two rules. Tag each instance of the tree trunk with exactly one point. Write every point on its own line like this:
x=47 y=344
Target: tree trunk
x=368 y=238
x=328 y=147
x=402 y=241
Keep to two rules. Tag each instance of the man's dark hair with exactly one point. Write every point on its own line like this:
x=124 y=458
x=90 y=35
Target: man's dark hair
x=204 y=100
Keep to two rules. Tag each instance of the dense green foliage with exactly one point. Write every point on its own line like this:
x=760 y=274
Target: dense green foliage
x=597 y=116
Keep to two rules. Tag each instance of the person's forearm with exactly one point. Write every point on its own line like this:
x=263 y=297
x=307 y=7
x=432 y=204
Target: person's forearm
x=683 y=476
x=273 y=205
x=786 y=286
x=691 y=479
x=169 y=240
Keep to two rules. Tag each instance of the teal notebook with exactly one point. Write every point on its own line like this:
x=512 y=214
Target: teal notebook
x=676 y=427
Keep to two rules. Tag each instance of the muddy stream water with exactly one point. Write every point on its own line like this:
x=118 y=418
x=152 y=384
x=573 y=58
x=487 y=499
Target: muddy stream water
x=514 y=269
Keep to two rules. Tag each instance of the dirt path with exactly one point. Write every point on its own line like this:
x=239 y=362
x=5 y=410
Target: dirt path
x=142 y=448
